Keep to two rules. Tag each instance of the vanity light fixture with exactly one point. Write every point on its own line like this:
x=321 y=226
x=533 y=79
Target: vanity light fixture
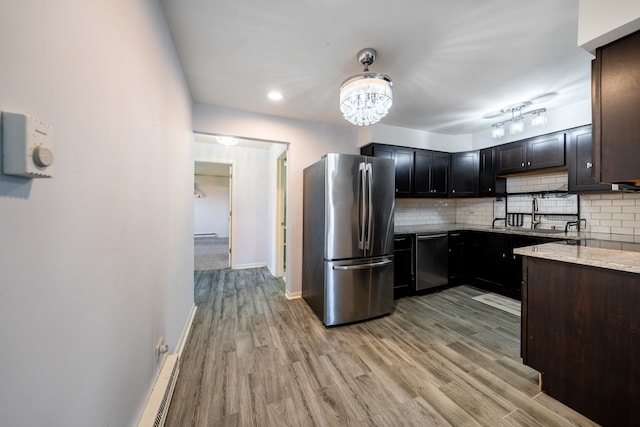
x=365 y=98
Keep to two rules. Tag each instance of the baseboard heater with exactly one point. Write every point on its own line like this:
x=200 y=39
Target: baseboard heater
x=155 y=412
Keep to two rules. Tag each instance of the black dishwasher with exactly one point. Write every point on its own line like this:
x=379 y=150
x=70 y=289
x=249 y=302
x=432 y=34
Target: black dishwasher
x=432 y=259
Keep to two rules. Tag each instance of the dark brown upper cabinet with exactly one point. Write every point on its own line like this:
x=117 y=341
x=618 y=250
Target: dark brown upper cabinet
x=580 y=162
x=403 y=158
x=432 y=173
x=489 y=184
x=615 y=96
x=464 y=174
x=541 y=152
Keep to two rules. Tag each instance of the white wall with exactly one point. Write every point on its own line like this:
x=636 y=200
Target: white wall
x=570 y=116
x=601 y=22
x=308 y=142
x=96 y=264
x=211 y=210
x=414 y=138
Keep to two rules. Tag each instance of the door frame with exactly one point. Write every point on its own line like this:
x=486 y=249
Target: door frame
x=281 y=214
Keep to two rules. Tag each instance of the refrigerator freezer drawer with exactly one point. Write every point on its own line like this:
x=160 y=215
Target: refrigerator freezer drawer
x=357 y=290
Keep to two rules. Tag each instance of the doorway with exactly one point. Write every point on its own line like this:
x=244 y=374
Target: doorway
x=258 y=207
x=212 y=215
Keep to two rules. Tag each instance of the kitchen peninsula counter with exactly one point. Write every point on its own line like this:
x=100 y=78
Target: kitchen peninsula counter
x=613 y=259
x=580 y=327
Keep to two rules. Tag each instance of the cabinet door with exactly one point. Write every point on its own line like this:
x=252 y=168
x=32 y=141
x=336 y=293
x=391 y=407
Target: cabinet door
x=422 y=170
x=547 y=151
x=512 y=158
x=489 y=184
x=457 y=257
x=464 y=174
x=403 y=158
x=404 y=171
x=403 y=268
x=615 y=109
x=580 y=162
x=439 y=177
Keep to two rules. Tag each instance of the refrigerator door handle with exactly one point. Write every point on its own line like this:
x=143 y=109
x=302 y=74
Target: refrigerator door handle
x=369 y=170
x=363 y=266
x=363 y=211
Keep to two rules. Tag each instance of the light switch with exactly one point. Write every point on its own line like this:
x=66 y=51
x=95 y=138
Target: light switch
x=27 y=146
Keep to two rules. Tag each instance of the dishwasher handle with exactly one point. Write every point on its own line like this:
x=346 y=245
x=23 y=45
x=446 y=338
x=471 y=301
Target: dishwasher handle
x=363 y=266
x=432 y=236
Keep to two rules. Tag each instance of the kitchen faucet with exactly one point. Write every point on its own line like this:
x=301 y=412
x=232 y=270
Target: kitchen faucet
x=534 y=209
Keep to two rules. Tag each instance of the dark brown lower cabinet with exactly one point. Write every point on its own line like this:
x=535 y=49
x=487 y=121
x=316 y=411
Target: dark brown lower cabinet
x=403 y=268
x=581 y=331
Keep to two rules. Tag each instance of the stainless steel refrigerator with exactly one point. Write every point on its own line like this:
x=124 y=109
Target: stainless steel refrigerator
x=347 y=272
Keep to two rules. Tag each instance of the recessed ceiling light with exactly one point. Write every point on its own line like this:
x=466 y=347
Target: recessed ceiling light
x=274 y=95
x=227 y=140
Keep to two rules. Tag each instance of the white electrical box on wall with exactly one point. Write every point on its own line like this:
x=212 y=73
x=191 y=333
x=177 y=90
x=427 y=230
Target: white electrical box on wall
x=27 y=146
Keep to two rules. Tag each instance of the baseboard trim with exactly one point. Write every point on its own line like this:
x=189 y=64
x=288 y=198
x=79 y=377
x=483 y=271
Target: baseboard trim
x=293 y=295
x=186 y=331
x=253 y=265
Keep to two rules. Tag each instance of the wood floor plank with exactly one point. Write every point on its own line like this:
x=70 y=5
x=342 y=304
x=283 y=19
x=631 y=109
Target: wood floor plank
x=254 y=358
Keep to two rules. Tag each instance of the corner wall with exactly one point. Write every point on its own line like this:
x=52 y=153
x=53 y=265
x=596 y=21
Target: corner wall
x=96 y=264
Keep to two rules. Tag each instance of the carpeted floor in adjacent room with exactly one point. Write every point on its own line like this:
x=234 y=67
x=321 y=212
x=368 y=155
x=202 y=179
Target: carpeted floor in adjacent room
x=210 y=253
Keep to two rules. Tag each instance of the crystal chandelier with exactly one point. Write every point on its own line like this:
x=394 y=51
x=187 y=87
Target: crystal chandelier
x=365 y=98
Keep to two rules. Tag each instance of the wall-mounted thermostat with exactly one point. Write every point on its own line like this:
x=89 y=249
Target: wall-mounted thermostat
x=27 y=146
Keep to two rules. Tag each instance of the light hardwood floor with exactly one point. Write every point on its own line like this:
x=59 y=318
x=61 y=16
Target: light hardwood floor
x=255 y=358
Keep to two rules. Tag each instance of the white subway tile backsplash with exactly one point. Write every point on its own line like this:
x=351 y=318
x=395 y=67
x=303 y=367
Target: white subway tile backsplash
x=603 y=212
x=603 y=202
x=623 y=216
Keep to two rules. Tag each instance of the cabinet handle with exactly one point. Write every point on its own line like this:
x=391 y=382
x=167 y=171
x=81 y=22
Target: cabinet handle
x=528 y=163
x=489 y=188
x=453 y=191
x=504 y=255
x=396 y=190
x=589 y=165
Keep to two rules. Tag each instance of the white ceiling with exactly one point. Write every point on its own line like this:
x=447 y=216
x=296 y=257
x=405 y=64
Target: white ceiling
x=451 y=61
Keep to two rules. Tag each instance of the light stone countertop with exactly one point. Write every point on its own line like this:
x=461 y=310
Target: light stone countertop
x=611 y=259
x=611 y=251
x=523 y=231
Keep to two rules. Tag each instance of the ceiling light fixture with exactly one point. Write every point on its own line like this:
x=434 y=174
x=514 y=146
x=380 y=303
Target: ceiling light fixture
x=365 y=98
x=274 y=96
x=227 y=140
x=497 y=130
x=516 y=122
